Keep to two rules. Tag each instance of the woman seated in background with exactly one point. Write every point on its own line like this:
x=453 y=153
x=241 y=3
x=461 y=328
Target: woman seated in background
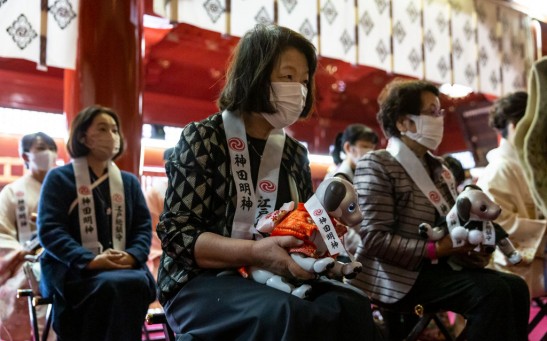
x=403 y=186
x=18 y=207
x=95 y=229
x=226 y=172
x=505 y=182
x=356 y=140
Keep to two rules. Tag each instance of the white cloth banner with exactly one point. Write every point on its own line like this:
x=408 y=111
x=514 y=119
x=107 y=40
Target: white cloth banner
x=374 y=36
x=207 y=14
x=464 y=47
x=407 y=38
x=21 y=30
x=337 y=22
x=300 y=16
x=514 y=50
x=489 y=49
x=245 y=14
x=437 y=42
x=62 y=33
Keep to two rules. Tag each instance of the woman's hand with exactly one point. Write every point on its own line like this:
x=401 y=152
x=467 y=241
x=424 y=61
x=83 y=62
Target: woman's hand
x=465 y=253
x=271 y=254
x=10 y=262
x=111 y=259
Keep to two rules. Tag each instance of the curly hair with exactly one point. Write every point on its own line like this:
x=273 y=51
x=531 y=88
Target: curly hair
x=508 y=109
x=401 y=97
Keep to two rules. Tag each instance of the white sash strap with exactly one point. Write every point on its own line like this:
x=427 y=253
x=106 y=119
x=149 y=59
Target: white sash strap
x=24 y=232
x=117 y=200
x=251 y=206
x=488 y=231
x=418 y=174
x=86 y=206
x=324 y=225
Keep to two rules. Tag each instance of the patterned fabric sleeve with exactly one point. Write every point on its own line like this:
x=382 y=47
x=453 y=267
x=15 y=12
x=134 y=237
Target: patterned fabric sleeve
x=194 y=184
x=387 y=198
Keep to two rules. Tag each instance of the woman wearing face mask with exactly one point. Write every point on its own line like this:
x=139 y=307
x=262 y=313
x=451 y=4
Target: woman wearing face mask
x=356 y=140
x=227 y=171
x=18 y=207
x=405 y=185
x=95 y=229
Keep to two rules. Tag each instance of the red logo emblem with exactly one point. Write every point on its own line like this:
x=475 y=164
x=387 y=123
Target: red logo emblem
x=267 y=186
x=434 y=196
x=236 y=143
x=84 y=190
x=118 y=198
x=318 y=212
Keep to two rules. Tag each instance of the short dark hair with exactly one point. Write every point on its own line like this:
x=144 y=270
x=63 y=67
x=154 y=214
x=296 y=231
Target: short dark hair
x=82 y=122
x=455 y=167
x=167 y=153
x=399 y=98
x=26 y=142
x=248 y=76
x=353 y=133
x=508 y=109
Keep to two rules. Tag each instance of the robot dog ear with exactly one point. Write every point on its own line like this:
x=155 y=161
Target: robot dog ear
x=463 y=206
x=334 y=194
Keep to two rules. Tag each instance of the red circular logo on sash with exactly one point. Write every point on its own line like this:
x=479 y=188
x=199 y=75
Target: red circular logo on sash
x=84 y=190
x=236 y=143
x=117 y=197
x=434 y=196
x=318 y=212
x=267 y=186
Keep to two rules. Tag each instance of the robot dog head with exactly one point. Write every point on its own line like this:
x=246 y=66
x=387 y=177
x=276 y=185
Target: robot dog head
x=473 y=203
x=339 y=198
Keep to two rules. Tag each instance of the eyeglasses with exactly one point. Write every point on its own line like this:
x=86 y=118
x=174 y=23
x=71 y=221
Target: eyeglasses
x=437 y=112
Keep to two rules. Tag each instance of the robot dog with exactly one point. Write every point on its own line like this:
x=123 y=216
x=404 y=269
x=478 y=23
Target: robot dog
x=320 y=222
x=471 y=220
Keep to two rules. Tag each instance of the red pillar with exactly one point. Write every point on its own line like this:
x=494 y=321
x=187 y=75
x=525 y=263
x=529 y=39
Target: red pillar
x=109 y=69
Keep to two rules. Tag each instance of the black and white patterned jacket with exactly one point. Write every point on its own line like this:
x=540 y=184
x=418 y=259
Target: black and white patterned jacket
x=201 y=196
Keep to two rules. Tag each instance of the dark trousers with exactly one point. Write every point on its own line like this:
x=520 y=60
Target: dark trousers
x=233 y=308
x=105 y=305
x=495 y=304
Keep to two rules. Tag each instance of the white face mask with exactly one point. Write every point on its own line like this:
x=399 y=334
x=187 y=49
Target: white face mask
x=429 y=130
x=103 y=146
x=357 y=152
x=289 y=98
x=42 y=161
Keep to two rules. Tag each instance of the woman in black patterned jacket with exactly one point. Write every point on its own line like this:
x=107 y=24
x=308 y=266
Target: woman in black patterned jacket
x=405 y=185
x=211 y=207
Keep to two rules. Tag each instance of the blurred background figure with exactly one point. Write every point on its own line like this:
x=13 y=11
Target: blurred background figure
x=155 y=196
x=457 y=170
x=355 y=141
x=505 y=182
x=18 y=207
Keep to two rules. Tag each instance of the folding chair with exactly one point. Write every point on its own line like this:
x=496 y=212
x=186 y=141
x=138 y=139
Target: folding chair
x=425 y=319
x=35 y=299
x=158 y=317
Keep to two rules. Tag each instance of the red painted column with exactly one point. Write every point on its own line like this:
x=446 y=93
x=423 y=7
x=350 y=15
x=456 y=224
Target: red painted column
x=109 y=69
